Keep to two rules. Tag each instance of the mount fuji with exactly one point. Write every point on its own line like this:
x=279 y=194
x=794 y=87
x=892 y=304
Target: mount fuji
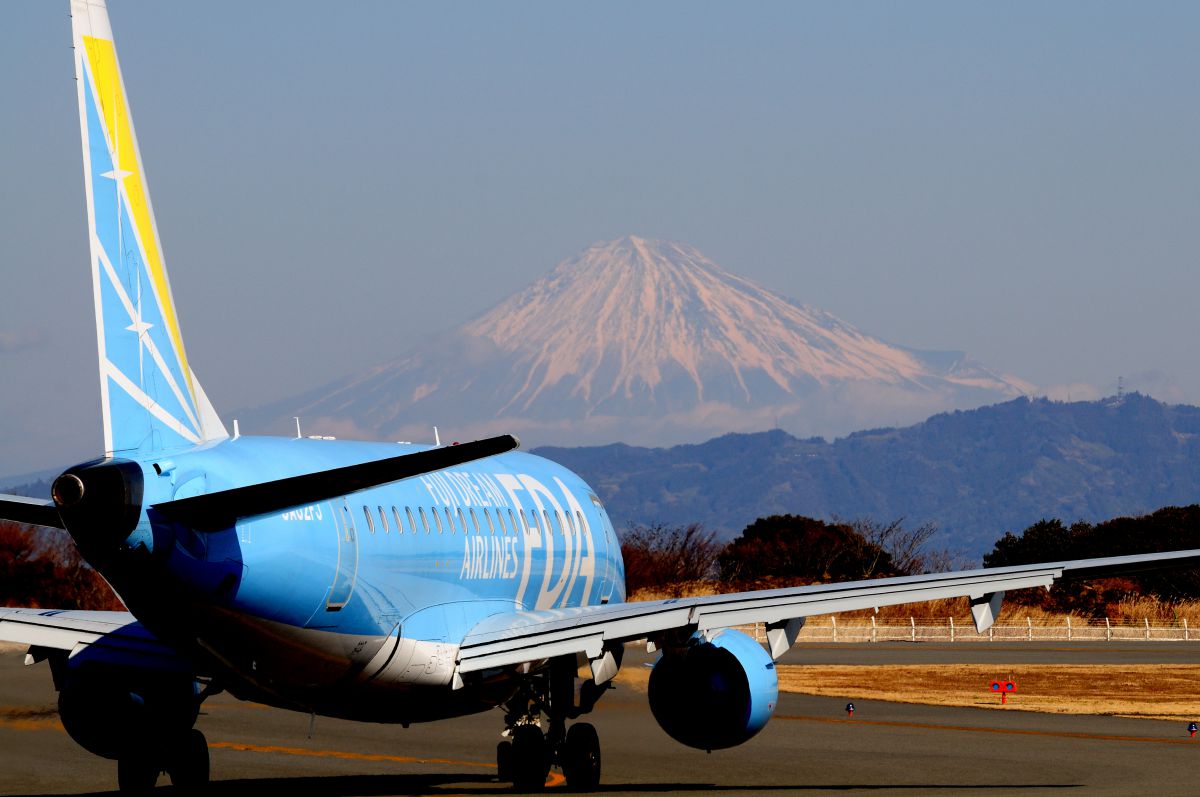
x=648 y=342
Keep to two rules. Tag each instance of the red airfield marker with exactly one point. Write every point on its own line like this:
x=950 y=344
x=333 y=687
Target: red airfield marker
x=1003 y=688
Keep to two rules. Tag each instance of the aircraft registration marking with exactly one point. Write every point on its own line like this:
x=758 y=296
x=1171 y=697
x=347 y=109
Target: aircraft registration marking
x=307 y=513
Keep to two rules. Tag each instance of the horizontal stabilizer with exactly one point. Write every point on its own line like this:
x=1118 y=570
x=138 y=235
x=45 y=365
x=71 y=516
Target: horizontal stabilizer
x=220 y=510
x=31 y=511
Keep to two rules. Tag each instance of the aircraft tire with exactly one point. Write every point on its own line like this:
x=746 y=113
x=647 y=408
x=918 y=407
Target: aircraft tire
x=136 y=774
x=530 y=760
x=581 y=757
x=504 y=769
x=189 y=767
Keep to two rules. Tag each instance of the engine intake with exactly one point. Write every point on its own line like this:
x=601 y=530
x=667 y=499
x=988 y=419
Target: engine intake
x=715 y=693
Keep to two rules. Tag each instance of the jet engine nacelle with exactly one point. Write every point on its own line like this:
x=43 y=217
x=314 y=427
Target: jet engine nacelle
x=113 y=713
x=714 y=693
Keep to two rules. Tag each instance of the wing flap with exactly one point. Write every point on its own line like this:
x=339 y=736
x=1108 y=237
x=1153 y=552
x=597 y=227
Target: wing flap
x=520 y=637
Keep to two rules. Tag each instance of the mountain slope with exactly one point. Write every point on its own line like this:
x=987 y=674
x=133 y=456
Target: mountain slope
x=651 y=341
x=976 y=474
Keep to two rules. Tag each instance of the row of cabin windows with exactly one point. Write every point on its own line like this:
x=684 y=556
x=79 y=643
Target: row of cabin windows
x=445 y=518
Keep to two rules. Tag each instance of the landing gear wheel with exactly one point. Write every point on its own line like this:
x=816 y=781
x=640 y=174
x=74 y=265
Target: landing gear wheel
x=504 y=769
x=530 y=759
x=136 y=775
x=581 y=757
x=189 y=764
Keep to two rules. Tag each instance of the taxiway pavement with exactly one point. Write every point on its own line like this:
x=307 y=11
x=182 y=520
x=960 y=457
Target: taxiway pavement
x=809 y=748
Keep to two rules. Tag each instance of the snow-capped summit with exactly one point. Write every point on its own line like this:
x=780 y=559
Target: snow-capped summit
x=649 y=342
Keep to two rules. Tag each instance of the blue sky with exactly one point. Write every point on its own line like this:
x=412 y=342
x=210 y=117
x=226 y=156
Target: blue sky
x=333 y=181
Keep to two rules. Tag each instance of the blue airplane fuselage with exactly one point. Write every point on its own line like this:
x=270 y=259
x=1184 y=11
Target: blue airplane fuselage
x=356 y=606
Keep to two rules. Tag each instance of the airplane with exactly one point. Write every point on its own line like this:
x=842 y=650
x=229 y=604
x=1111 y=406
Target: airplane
x=381 y=582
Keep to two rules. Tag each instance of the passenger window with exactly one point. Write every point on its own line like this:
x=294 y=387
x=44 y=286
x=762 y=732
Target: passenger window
x=437 y=519
x=562 y=527
x=396 y=517
x=424 y=520
x=529 y=521
x=462 y=521
x=474 y=520
x=549 y=525
x=512 y=521
x=581 y=524
x=370 y=519
x=487 y=515
x=412 y=524
x=383 y=521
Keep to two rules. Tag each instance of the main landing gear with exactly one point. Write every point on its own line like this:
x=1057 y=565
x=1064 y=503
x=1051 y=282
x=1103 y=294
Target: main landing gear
x=526 y=760
x=185 y=761
x=526 y=757
x=182 y=754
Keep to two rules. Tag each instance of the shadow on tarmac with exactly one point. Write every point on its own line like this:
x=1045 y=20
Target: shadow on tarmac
x=457 y=783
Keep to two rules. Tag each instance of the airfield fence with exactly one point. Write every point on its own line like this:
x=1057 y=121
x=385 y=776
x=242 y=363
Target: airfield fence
x=946 y=629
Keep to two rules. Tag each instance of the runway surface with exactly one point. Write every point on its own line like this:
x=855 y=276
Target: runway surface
x=809 y=748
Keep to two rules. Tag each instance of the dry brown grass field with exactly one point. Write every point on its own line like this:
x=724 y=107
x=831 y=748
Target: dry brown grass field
x=1151 y=691
x=1146 y=691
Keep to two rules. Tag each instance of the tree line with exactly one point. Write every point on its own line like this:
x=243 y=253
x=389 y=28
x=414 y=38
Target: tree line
x=792 y=550
x=780 y=550
x=42 y=568
x=1168 y=529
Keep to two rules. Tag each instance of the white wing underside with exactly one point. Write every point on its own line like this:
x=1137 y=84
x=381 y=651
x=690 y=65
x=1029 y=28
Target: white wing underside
x=116 y=636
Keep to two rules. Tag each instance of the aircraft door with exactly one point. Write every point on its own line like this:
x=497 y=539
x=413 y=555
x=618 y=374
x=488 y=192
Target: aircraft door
x=346 y=571
x=612 y=550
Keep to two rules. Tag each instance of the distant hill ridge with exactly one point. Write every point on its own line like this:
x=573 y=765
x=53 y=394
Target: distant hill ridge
x=975 y=473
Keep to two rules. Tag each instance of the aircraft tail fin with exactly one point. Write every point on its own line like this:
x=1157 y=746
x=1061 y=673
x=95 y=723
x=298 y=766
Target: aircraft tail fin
x=151 y=399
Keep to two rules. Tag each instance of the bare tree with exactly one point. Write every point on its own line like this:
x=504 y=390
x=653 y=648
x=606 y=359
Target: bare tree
x=668 y=557
x=908 y=547
x=42 y=568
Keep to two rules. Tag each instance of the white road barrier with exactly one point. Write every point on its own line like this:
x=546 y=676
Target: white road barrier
x=945 y=629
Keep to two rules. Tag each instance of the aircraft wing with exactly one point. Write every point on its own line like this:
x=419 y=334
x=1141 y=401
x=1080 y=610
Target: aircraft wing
x=32 y=511
x=115 y=637
x=520 y=637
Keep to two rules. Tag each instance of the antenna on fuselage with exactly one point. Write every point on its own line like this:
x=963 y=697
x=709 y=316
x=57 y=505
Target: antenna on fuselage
x=297 y=420
x=437 y=440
